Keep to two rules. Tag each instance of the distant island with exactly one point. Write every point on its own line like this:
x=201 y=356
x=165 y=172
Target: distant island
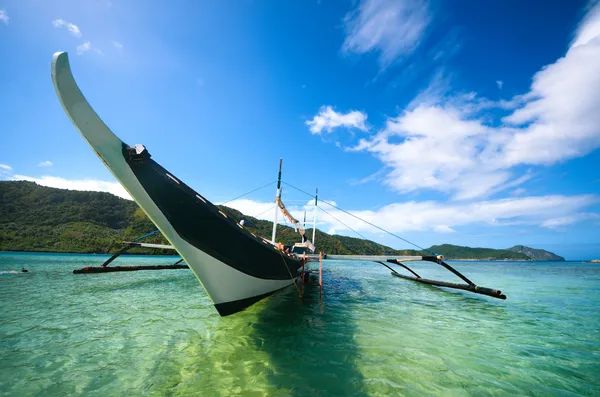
x=42 y=219
x=536 y=254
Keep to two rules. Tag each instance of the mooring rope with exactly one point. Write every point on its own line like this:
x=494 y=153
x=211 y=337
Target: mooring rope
x=290 y=273
x=360 y=219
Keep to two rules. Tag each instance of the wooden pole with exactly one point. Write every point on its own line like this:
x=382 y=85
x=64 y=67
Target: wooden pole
x=277 y=198
x=302 y=276
x=320 y=274
x=494 y=293
x=315 y=217
x=116 y=254
x=110 y=269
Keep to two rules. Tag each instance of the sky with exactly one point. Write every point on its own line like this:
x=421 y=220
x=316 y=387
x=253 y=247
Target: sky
x=473 y=123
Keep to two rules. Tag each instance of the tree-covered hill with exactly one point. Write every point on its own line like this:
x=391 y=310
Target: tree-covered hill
x=458 y=252
x=536 y=254
x=38 y=218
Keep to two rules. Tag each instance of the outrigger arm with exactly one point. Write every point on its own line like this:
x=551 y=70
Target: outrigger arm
x=439 y=259
x=469 y=286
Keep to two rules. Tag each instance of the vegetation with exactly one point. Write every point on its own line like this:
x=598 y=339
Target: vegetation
x=536 y=254
x=458 y=252
x=38 y=218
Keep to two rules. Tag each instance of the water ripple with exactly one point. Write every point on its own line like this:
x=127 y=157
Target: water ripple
x=156 y=333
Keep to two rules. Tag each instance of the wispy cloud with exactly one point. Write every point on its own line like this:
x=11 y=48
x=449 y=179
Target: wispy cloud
x=45 y=164
x=541 y=211
x=84 y=47
x=71 y=27
x=117 y=45
x=4 y=16
x=392 y=28
x=562 y=221
x=454 y=142
x=76 y=184
x=327 y=119
x=499 y=83
x=5 y=171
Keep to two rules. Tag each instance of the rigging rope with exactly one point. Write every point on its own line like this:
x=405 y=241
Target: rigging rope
x=360 y=235
x=360 y=219
x=264 y=212
x=229 y=201
x=245 y=194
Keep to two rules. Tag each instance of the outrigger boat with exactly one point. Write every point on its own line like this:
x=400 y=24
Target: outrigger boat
x=236 y=267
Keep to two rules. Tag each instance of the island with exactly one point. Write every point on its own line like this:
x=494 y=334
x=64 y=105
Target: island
x=42 y=219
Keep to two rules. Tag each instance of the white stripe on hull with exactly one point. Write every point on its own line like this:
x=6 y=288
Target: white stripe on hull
x=222 y=282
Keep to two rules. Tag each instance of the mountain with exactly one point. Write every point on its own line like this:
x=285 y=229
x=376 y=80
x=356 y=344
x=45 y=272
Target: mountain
x=38 y=218
x=536 y=254
x=457 y=252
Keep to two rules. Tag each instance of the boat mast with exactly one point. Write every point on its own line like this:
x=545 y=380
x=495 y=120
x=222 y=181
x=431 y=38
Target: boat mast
x=315 y=216
x=277 y=198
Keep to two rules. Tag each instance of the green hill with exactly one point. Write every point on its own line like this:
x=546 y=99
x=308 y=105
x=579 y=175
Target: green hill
x=458 y=252
x=536 y=254
x=38 y=218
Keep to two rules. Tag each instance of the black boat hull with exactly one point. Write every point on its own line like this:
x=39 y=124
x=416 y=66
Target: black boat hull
x=236 y=268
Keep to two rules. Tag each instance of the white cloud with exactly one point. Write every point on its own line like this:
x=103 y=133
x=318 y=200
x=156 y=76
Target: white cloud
x=559 y=119
x=500 y=83
x=559 y=222
x=77 y=184
x=45 y=164
x=71 y=27
x=5 y=167
x=543 y=211
x=4 y=16
x=455 y=143
x=327 y=119
x=83 y=48
x=392 y=28
x=117 y=45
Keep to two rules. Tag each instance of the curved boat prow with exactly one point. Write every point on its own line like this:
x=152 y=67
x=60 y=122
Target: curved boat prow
x=96 y=133
x=235 y=267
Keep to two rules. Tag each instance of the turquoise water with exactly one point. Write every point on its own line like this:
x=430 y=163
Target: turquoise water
x=156 y=333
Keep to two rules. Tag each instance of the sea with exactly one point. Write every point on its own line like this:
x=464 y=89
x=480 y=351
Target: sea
x=156 y=333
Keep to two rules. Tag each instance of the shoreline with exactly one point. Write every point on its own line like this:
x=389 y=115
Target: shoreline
x=84 y=253
x=176 y=255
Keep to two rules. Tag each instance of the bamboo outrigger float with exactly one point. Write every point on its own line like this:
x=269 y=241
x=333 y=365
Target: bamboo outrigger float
x=236 y=267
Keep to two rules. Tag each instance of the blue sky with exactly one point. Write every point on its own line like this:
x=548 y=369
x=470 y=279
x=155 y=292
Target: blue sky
x=466 y=122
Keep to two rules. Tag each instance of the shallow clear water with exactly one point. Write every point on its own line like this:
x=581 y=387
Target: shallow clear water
x=156 y=333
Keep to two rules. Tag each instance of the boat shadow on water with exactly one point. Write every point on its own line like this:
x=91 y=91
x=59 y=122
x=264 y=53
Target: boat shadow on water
x=311 y=346
x=278 y=347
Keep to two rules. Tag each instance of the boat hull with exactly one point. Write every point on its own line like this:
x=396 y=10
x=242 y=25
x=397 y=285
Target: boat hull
x=235 y=267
